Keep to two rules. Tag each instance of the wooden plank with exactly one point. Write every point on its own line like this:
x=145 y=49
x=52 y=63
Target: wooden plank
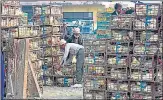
x=34 y=77
x=26 y=70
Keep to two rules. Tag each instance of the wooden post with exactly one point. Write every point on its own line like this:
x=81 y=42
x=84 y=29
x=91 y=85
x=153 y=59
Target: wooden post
x=26 y=70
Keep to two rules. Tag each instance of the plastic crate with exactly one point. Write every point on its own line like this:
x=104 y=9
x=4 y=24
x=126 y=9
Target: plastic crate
x=117 y=60
x=118 y=47
x=122 y=22
x=117 y=95
x=142 y=87
x=125 y=35
x=149 y=23
x=117 y=86
x=147 y=9
x=95 y=83
x=94 y=94
x=142 y=74
x=146 y=48
x=142 y=37
x=117 y=73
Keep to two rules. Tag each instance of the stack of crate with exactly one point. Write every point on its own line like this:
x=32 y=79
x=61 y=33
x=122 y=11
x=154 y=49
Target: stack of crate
x=144 y=68
x=133 y=58
x=159 y=94
x=47 y=21
x=118 y=50
x=94 y=69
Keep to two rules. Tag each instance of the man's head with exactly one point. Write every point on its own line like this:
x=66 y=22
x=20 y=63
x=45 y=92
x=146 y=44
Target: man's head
x=62 y=43
x=118 y=8
x=76 y=32
x=65 y=24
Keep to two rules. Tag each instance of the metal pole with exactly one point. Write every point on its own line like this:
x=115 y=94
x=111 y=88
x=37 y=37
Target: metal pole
x=0 y=51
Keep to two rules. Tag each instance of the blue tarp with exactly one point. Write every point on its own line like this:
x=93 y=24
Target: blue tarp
x=2 y=76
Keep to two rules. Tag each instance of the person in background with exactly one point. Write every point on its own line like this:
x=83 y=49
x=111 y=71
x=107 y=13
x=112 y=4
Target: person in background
x=64 y=31
x=76 y=37
x=78 y=51
x=118 y=9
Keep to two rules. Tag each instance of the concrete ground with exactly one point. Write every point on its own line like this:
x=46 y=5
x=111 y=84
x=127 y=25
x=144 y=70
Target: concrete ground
x=62 y=93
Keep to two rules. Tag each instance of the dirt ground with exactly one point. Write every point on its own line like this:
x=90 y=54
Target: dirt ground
x=62 y=93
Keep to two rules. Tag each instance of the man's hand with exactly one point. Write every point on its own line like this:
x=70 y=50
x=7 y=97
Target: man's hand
x=58 y=67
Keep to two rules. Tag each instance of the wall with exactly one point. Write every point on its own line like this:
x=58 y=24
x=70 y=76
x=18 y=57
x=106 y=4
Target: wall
x=85 y=8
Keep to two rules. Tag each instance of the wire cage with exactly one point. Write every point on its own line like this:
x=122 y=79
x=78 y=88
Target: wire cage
x=94 y=59
x=118 y=60
x=142 y=9
x=118 y=47
x=143 y=61
x=117 y=86
x=160 y=47
x=96 y=45
x=22 y=32
x=117 y=73
x=47 y=30
x=122 y=22
x=51 y=51
x=122 y=35
x=141 y=96
x=88 y=94
x=146 y=36
x=117 y=95
x=34 y=44
x=158 y=74
x=48 y=71
x=54 y=20
x=95 y=82
x=145 y=23
x=146 y=48
x=50 y=41
x=64 y=81
x=141 y=87
x=34 y=55
x=144 y=74
x=158 y=92
x=94 y=70
x=67 y=70
x=48 y=80
x=88 y=37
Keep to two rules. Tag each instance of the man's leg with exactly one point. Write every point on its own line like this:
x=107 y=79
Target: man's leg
x=79 y=66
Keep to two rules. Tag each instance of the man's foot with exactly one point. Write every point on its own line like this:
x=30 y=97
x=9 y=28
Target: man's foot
x=77 y=86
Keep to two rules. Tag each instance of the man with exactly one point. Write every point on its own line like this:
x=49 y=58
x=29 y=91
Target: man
x=74 y=49
x=64 y=31
x=76 y=37
x=118 y=9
